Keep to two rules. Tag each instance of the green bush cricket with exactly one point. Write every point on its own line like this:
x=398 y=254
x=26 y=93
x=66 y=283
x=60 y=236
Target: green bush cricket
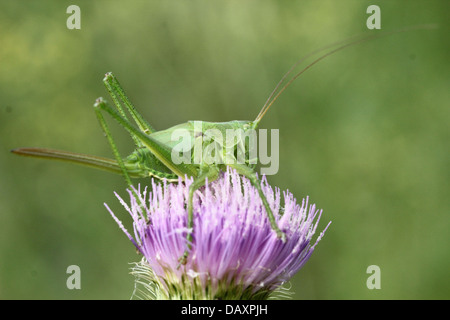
x=153 y=156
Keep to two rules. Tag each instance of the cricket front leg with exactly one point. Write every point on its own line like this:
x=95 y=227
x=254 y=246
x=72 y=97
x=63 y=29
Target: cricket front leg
x=211 y=174
x=251 y=175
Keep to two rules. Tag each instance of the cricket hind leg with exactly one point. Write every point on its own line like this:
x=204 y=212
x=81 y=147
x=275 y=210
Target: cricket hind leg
x=99 y=104
x=118 y=94
x=115 y=91
x=251 y=175
x=160 y=150
x=108 y=135
x=211 y=174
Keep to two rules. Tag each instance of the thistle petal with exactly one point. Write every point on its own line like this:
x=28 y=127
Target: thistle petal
x=234 y=252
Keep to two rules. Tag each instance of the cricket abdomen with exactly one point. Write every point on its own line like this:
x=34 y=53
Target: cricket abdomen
x=143 y=163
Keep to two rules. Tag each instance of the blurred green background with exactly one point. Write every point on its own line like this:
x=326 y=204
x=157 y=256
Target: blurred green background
x=364 y=133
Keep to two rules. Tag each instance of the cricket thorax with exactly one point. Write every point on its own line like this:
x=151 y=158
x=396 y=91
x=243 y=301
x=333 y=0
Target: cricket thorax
x=217 y=143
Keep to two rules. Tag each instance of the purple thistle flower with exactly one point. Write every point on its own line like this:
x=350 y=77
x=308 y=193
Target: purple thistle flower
x=235 y=254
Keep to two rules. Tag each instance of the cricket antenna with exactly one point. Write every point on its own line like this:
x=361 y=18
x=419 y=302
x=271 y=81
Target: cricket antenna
x=340 y=46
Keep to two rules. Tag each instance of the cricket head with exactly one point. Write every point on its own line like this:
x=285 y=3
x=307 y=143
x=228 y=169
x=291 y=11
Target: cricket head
x=250 y=125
